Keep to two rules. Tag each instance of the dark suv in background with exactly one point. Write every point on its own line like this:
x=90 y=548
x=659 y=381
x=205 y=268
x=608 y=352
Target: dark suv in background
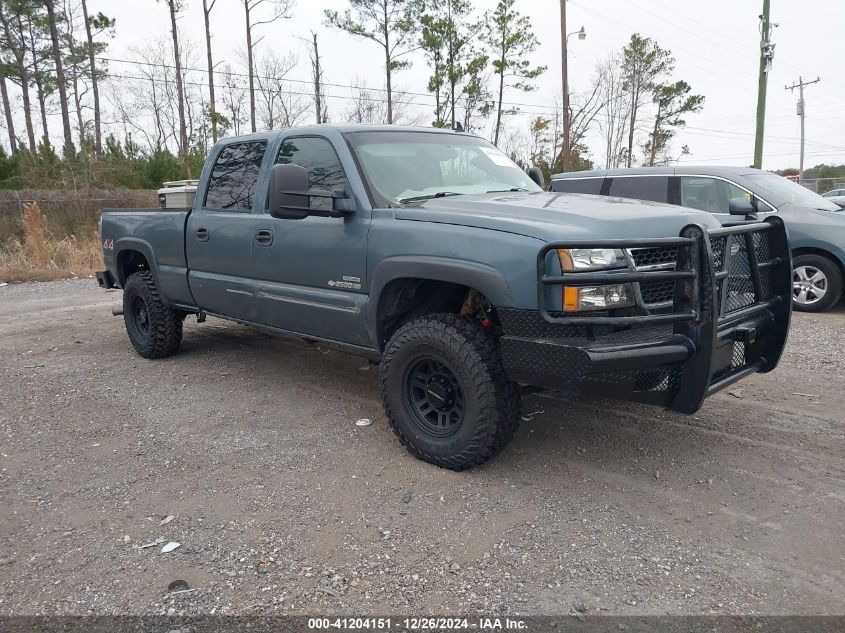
x=816 y=226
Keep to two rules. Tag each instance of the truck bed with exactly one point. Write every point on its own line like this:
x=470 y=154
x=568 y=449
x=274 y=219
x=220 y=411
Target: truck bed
x=157 y=233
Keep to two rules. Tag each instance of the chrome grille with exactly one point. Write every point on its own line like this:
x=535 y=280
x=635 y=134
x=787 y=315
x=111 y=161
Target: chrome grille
x=660 y=258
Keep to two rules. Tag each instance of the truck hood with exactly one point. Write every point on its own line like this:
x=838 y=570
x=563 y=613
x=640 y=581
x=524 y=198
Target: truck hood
x=553 y=216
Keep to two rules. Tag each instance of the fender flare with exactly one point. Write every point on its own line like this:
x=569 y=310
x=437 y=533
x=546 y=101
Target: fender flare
x=145 y=248
x=486 y=279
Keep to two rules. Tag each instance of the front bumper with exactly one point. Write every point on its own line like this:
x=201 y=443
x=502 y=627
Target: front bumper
x=728 y=317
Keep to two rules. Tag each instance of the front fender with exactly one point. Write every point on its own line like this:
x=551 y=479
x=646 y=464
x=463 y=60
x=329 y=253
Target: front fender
x=486 y=279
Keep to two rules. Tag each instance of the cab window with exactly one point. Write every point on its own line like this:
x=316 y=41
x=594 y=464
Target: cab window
x=654 y=188
x=709 y=194
x=591 y=186
x=317 y=156
x=231 y=186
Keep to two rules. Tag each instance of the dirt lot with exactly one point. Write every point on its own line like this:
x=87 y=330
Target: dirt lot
x=282 y=504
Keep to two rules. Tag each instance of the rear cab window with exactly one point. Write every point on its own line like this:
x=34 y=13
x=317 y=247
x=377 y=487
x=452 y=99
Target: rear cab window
x=590 y=186
x=654 y=188
x=231 y=186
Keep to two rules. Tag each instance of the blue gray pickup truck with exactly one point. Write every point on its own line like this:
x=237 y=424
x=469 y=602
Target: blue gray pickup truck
x=432 y=253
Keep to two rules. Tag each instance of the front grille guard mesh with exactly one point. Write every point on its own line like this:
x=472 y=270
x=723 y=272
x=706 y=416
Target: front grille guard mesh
x=742 y=264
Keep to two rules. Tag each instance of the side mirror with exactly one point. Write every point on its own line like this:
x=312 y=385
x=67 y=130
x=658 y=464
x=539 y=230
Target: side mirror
x=289 y=188
x=741 y=206
x=290 y=195
x=536 y=174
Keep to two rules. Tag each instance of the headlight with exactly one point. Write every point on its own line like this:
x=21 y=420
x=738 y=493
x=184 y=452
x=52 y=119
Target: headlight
x=575 y=259
x=597 y=297
x=584 y=298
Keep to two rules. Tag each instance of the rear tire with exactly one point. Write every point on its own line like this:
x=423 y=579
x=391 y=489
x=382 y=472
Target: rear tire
x=816 y=283
x=445 y=392
x=154 y=329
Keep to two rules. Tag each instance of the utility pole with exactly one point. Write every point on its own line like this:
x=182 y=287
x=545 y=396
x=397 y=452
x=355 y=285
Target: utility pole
x=566 y=151
x=800 y=85
x=767 y=52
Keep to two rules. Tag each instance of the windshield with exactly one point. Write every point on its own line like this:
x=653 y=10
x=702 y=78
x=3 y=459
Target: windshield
x=412 y=166
x=791 y=192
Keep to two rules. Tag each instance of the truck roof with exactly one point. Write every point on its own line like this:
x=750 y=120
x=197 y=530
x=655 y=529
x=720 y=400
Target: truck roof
x=342 y=128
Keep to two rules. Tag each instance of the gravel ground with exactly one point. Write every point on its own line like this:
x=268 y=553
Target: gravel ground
x=283 y=505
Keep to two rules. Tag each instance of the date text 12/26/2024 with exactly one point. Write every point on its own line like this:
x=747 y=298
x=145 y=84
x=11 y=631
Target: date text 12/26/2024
x=418 y=624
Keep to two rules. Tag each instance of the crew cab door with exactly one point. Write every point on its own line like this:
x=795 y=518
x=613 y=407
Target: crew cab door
x=310 y=274
x=219 y=237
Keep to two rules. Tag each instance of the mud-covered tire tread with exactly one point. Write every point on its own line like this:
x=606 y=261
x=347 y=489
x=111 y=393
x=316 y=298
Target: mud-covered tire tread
x=165 y=324
x=499 y=400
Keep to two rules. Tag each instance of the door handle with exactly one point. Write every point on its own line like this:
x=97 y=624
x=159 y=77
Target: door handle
x=264 y=237
x=202 y=234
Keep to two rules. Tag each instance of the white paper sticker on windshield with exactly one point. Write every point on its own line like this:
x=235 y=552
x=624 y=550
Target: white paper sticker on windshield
x=497 y=156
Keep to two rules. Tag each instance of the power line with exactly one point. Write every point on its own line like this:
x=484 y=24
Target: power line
x=427 y=95
x=627 y=29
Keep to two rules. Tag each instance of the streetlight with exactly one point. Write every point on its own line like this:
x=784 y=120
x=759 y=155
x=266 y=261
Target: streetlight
x=564 y=36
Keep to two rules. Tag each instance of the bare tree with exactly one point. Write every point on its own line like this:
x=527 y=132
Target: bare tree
x=584 y=109
x=69 y=150
x=281 y=9
x=278 y=106
x=233 y=99
x=369 y=107
x=146 y=105
x=320 y=108
x=207 y=7
x=174 y=7
x=614 y=120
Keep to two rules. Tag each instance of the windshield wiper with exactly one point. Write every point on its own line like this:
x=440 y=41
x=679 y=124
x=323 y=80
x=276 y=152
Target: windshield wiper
x=439 y=194
x=508 y=190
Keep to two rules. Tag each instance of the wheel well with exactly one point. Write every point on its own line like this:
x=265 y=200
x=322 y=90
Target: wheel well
x=128 y=262
x=405 y=299
x=821 y=253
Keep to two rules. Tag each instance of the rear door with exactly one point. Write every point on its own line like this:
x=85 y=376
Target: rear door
x=311 y=273
x=219 y=236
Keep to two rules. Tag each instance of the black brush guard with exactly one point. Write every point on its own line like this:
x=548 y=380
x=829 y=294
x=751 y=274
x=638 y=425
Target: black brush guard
x=729 y=318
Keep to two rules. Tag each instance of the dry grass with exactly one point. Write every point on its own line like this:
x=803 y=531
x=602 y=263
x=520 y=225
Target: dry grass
x=41 y=256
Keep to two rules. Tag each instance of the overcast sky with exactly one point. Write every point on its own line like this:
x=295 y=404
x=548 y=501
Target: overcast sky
x=716 y=44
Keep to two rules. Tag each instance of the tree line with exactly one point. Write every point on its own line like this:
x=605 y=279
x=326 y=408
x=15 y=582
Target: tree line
x=154 y=115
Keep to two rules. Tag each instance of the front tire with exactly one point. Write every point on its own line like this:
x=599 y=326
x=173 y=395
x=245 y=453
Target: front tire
x=816 y=283
x=445 y=392
x=154 y=329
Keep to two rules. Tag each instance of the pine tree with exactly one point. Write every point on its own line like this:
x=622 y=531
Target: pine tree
x=511 y=42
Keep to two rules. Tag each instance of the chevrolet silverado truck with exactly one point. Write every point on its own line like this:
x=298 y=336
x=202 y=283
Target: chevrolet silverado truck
x=433 y=254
